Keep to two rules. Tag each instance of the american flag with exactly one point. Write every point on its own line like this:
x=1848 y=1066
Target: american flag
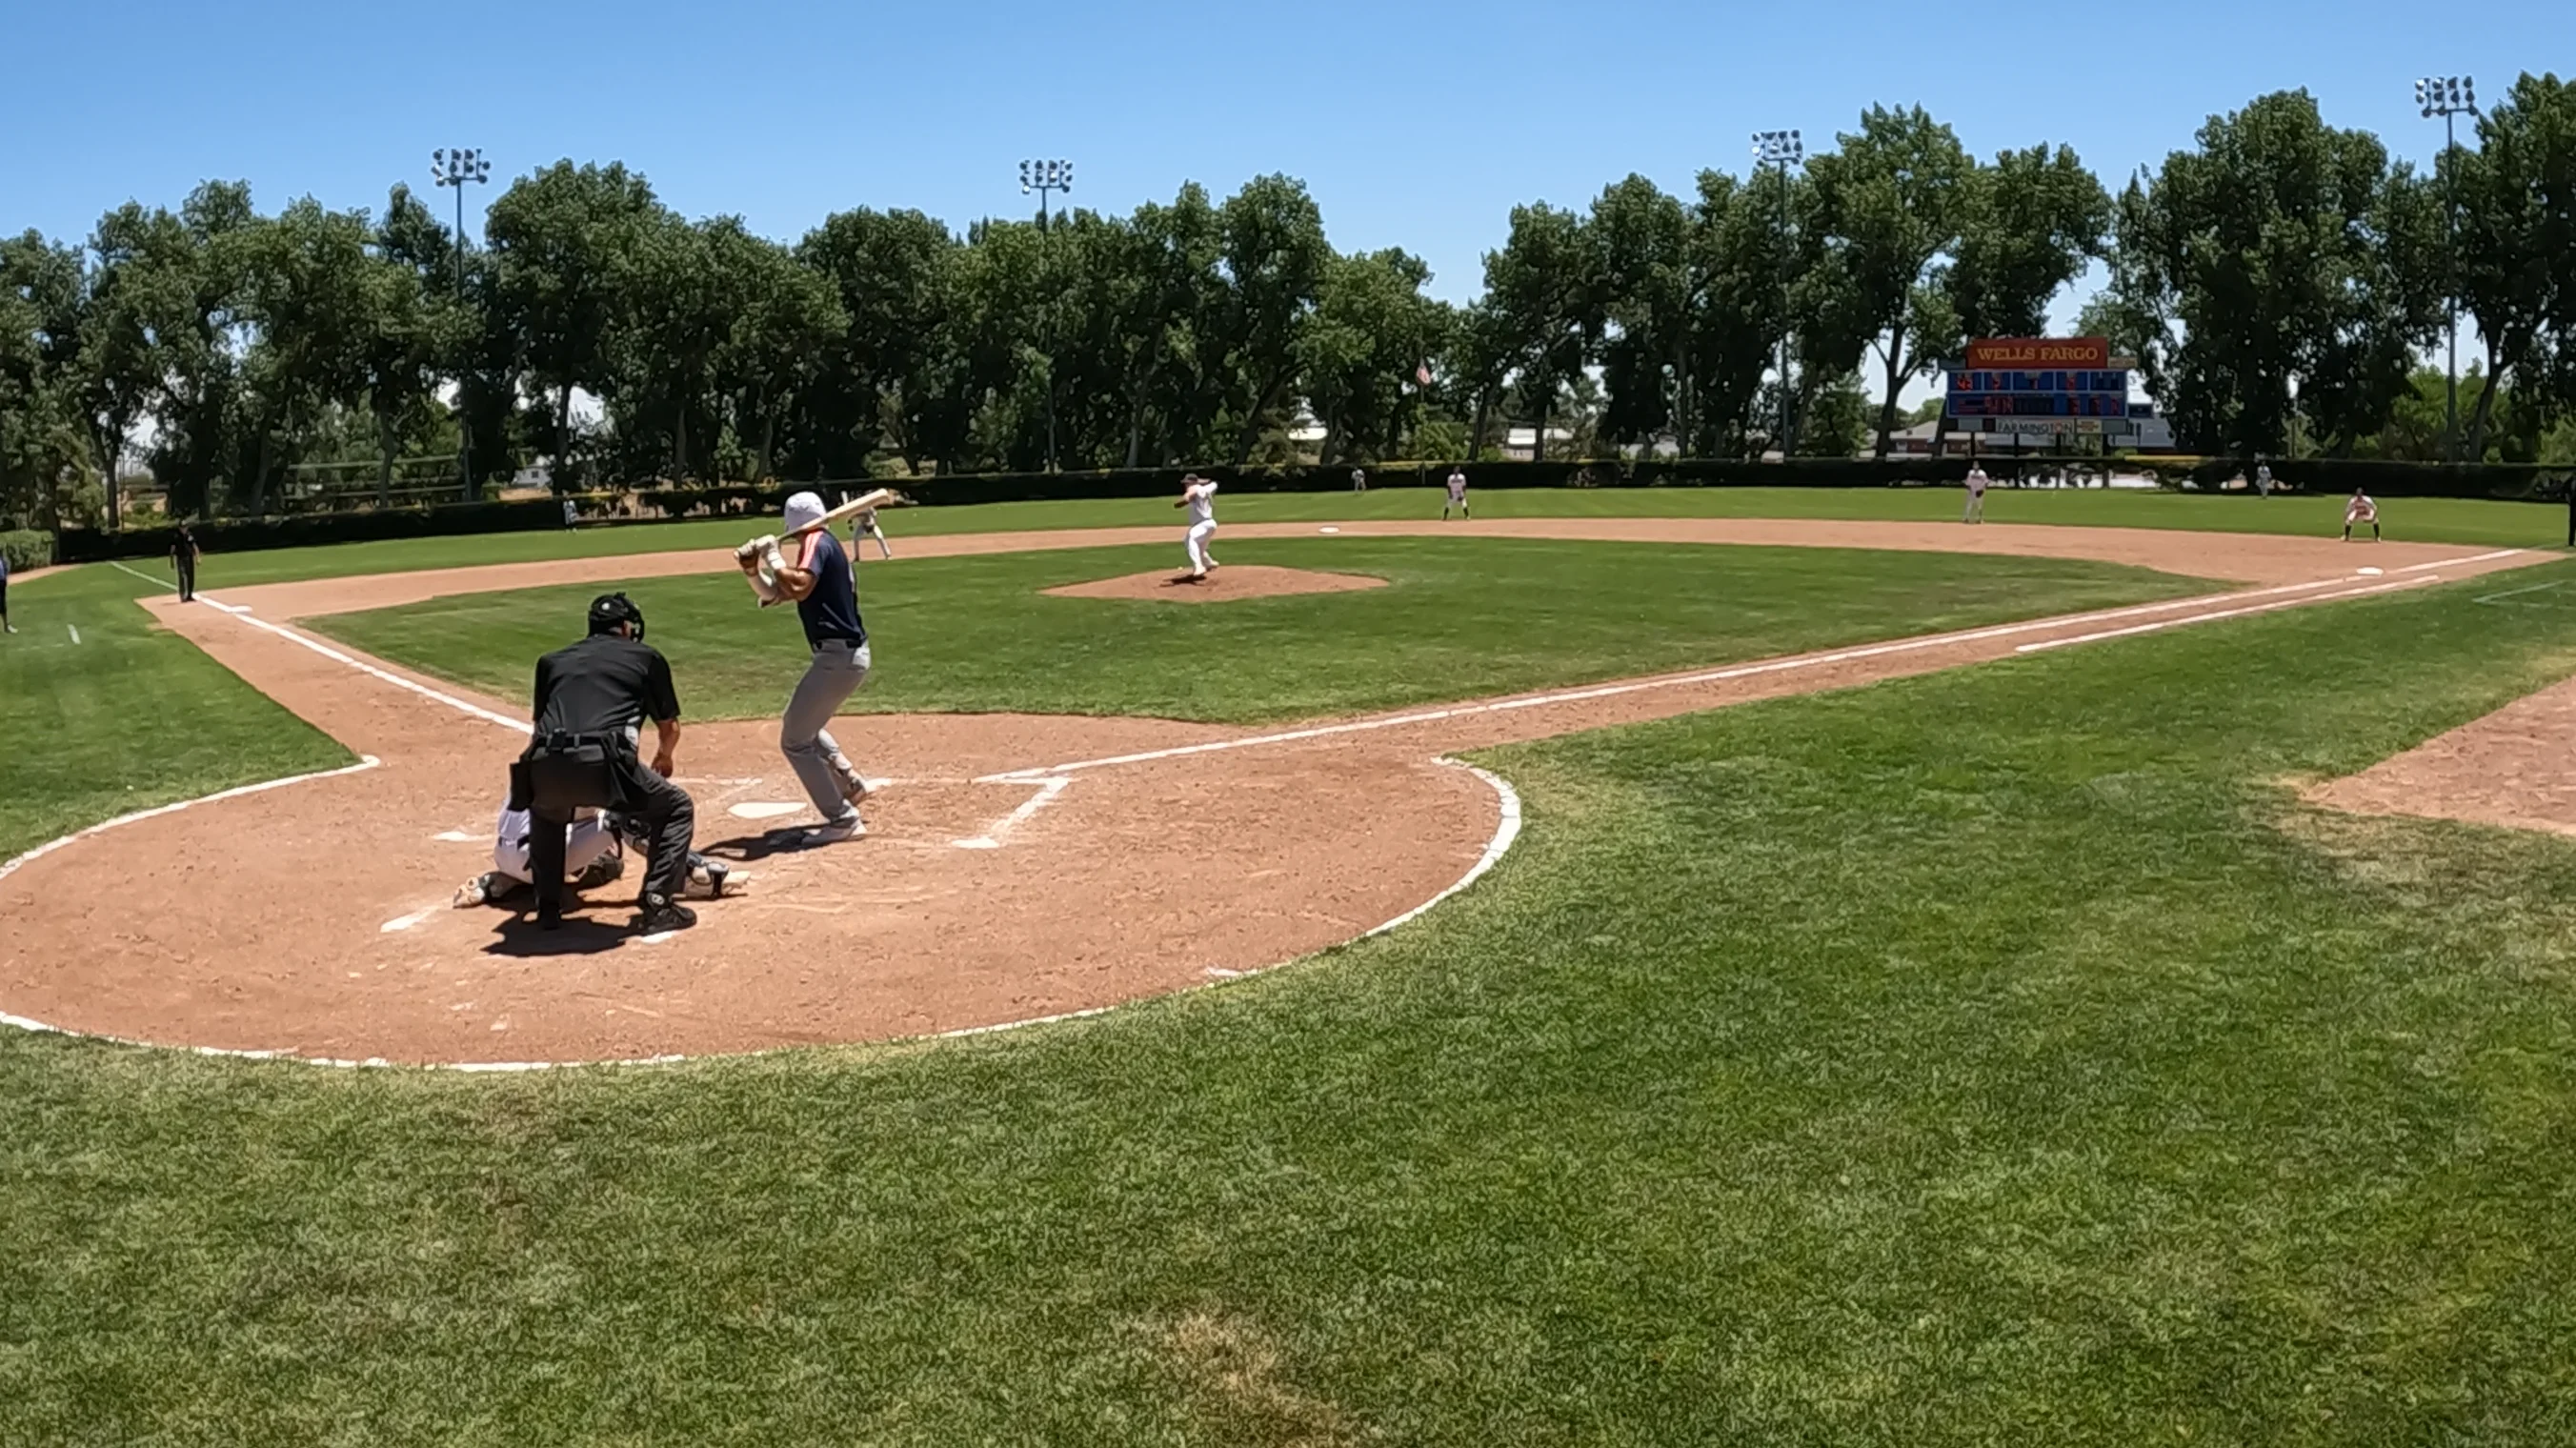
x=1422 y=374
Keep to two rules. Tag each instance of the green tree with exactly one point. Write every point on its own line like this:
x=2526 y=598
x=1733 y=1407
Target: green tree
x=2516 y=245
x=2280 y=251
x=569 y=243
x=1643 y=267
x=1888 y=206
x=1541 y=293
x=411 y=328
x=1743 y=304
x=311 y=292
x=1273 y=254
x=1372 y=328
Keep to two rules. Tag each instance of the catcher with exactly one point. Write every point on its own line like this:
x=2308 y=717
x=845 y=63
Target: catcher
x=594 y=856
x=823 y=584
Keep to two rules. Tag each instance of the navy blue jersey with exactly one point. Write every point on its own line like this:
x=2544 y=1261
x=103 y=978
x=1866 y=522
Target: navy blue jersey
x=831 y=611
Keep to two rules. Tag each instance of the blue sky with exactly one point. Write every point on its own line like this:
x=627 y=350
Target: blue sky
x=1416 y=125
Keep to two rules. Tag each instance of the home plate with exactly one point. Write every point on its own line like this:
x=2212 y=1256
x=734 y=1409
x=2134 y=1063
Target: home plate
x=454 y=837
x=2367 y=572
x=763 y=809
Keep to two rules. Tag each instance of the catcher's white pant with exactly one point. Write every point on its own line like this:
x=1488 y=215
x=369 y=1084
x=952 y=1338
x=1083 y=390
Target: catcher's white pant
x=1197 y=543
x=584 y=844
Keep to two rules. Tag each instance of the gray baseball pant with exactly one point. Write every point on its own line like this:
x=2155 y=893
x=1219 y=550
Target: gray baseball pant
x=804 y=733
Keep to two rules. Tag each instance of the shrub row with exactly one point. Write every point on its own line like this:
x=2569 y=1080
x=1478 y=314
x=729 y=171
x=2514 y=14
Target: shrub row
x=238 y=535
x=26 y=549
x=2386 y=479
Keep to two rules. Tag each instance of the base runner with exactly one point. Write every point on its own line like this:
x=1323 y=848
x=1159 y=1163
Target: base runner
x=2360 y=509
x=1198 y=494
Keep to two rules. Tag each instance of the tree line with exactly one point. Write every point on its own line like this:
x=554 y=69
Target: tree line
x=2280 y=280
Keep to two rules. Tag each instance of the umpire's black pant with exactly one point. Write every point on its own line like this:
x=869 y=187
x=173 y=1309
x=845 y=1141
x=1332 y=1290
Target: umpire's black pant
x=659 y=808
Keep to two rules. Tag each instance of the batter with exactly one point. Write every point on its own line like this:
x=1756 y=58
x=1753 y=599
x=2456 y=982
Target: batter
x=825 y=587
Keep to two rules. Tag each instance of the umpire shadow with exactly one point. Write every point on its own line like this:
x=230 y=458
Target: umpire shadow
x=580 y=935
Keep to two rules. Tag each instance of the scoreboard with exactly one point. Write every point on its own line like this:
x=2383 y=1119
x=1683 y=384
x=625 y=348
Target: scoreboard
x=2039 y=404
x=2037 y=379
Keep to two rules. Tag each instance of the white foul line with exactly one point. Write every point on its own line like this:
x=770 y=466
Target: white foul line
x=397 y=680
x=2141 y=628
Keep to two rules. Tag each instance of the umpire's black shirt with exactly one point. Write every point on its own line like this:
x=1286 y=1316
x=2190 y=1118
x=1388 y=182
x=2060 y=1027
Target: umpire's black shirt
x=603 y=685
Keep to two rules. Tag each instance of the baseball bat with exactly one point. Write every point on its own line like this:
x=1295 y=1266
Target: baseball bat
x=846 y=508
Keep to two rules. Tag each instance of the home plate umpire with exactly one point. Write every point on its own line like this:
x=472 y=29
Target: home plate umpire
x=592 y=699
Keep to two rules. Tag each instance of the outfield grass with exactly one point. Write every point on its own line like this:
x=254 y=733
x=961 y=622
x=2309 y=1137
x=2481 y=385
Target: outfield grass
x=1999 y=1056
x=2433 y=520
x=102 y=712
x=1461 y=618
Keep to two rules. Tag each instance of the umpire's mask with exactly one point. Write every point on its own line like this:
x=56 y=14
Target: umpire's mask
x=611 y=609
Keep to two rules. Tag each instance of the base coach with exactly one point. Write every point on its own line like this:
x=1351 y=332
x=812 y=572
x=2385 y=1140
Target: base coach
x=592 y=700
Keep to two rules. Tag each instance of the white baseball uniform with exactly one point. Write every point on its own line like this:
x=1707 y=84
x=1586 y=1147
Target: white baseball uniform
x=584 y=844
x=1202 y=505
x=2360 y=510
x=1976 y=496
x=1457 y=496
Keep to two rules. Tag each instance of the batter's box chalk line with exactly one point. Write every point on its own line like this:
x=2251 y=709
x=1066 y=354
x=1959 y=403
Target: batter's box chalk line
x=1000 y=830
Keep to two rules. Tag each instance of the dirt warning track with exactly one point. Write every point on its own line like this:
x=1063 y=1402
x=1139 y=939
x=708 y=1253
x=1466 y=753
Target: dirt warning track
x=1017 y=867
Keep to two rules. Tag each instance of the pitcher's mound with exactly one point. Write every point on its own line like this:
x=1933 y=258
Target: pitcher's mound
x=1241 y=580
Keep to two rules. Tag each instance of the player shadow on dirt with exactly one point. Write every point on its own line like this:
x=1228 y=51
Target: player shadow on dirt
x=746 y=849
x=582 y=934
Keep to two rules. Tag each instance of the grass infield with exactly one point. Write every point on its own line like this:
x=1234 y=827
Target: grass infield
x=1994 y=1056
x=1462 y=618
x=2423 y=520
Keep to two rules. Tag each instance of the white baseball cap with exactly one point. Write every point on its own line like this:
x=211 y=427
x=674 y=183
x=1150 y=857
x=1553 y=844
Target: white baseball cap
x=802 y=509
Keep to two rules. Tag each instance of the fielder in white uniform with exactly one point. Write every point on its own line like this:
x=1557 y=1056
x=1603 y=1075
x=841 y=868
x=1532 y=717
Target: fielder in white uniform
x=1457 y=495
x=1198 y=494
x=1976 y=495
x=2360 y=509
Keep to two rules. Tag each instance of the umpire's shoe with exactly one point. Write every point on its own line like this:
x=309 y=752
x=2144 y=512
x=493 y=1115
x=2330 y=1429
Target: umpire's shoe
x=661 y=913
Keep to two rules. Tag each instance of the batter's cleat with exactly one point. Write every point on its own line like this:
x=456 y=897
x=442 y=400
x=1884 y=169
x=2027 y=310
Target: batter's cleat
x=661 y=913
x=854 y=787
x=837 y=831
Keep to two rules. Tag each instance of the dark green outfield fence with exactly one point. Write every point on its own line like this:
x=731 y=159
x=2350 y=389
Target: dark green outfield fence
x=2506 y=481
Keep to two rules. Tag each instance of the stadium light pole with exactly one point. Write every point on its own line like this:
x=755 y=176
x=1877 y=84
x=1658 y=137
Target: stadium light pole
x=1043 y=177
x=458 y=169
x=2448 y=96
x=1782 y=150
